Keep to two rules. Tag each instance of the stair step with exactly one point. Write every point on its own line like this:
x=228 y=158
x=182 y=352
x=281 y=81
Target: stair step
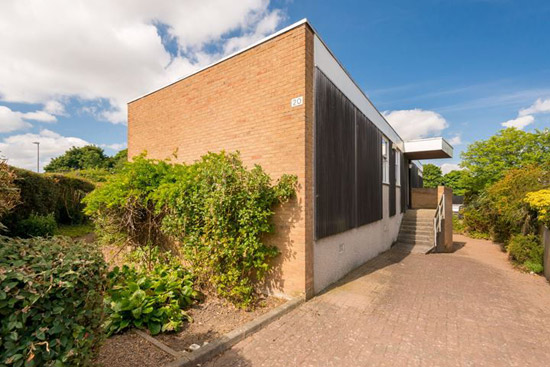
x=413 y=248
x=424 y=227
x=424 y=241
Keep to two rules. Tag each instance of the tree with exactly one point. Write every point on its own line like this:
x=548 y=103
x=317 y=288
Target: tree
x=431 y=175
x=86 y=157
x=457 y=180
x=488 y=160
x=119 y=159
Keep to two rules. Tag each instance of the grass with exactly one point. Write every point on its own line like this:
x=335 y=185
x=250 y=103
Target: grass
x=76 y=230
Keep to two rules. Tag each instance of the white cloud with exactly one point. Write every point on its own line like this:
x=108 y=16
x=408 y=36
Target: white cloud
x=115 y=146
x=455 y=140
x=520 y=122
x=11 y=120
x=540 y=106
x=448 y=167
x=41 y=116
x=21 y=152
x=417 y=123
x=54 y=108
x=111 y=50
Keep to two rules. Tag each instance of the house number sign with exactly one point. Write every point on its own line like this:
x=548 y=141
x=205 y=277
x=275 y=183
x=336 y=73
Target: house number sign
x=298 y=101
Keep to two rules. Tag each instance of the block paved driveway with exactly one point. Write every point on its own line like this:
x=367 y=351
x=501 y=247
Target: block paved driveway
x=469 y=308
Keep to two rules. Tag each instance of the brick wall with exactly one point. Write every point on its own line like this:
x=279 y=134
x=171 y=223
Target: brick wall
x=243 y=104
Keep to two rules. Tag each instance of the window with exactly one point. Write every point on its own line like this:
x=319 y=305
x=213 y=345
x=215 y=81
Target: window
x=397 y=168
x=385 y=162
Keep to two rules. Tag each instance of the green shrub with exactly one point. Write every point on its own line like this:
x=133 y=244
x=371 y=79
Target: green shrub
x=50 y=302
x=43 y=194
x=74 y=231
x=215 y=209
x=153 y=300
x=501 y=209
x=9 y=193
x=36 y=226
x=218 y=211
x=458 y=224
x=124 y=210
x=526 y=250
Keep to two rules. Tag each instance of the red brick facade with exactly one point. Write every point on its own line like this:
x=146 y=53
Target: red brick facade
x=244 y=104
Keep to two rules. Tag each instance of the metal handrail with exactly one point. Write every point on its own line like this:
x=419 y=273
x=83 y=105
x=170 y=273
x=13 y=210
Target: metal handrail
x=438 y=218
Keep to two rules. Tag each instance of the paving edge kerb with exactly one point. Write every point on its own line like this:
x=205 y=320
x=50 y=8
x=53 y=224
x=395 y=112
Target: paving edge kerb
x=210 y=350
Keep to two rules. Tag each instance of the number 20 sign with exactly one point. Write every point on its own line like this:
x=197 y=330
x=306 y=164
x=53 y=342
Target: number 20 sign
x=298 y=101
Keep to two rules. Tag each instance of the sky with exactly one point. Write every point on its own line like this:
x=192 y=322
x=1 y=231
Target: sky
x=461 y=69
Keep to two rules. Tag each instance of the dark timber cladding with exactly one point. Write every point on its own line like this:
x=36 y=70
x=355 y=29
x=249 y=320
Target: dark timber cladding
x=348 y=166
x=393 y=192
x=404 y=182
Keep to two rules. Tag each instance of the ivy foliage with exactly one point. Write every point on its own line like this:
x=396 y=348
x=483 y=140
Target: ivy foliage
x=216 y=210
x=51 y=302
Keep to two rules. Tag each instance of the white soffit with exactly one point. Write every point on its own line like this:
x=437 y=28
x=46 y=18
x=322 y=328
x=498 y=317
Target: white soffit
x=432 y=148
x=329 y=65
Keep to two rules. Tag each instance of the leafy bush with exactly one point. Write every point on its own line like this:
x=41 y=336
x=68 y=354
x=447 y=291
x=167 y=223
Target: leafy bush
x=527 y=251
x=124 y=210
x=218 y=212
x=501 y=209
x=148 y=299
x=215 y=209
x=458 y=225
x=540 y=201
x=43 y=194
x=36 y=226
x=9 y=193
x=50 y=302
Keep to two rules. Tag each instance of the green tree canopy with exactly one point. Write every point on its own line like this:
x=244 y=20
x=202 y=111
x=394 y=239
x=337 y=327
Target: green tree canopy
x=87 y=157
x=457 y=180
x=431 y=175
x=488 y=160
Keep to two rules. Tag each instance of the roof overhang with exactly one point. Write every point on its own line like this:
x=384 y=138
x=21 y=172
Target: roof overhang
x=432 y=148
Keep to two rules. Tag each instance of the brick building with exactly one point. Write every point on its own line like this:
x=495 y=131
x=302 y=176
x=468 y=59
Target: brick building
x=287 y=104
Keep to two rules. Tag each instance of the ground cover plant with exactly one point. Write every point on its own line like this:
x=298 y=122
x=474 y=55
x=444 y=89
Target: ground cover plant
x=527 y=251
x=216 y=211
x=51 y=301
x=153 y=299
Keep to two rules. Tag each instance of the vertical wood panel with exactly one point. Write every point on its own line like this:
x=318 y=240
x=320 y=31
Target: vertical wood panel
x=393 y=191
x=369 y=171
x=404 y=183
x=334 y=159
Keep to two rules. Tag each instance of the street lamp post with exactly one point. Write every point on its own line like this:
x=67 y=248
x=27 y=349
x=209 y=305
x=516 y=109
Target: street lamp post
x=37 y=155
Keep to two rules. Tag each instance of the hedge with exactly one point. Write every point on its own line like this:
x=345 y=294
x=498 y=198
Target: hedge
x=44 y=194
x=51 y=303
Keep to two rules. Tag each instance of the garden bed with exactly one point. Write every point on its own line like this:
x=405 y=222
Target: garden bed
x=211 y=319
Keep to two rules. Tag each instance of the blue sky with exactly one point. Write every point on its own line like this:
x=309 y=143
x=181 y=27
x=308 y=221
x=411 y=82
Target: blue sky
x=469 y=65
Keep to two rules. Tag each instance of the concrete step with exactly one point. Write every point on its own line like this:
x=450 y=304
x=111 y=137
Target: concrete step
x=417 y=230
x=411 y=237
x=417 y=222
x=413 y=248
x=417 y=225
x=415 y=241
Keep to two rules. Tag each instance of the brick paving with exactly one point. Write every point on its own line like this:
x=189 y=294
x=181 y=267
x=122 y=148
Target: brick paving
x=469 y=308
